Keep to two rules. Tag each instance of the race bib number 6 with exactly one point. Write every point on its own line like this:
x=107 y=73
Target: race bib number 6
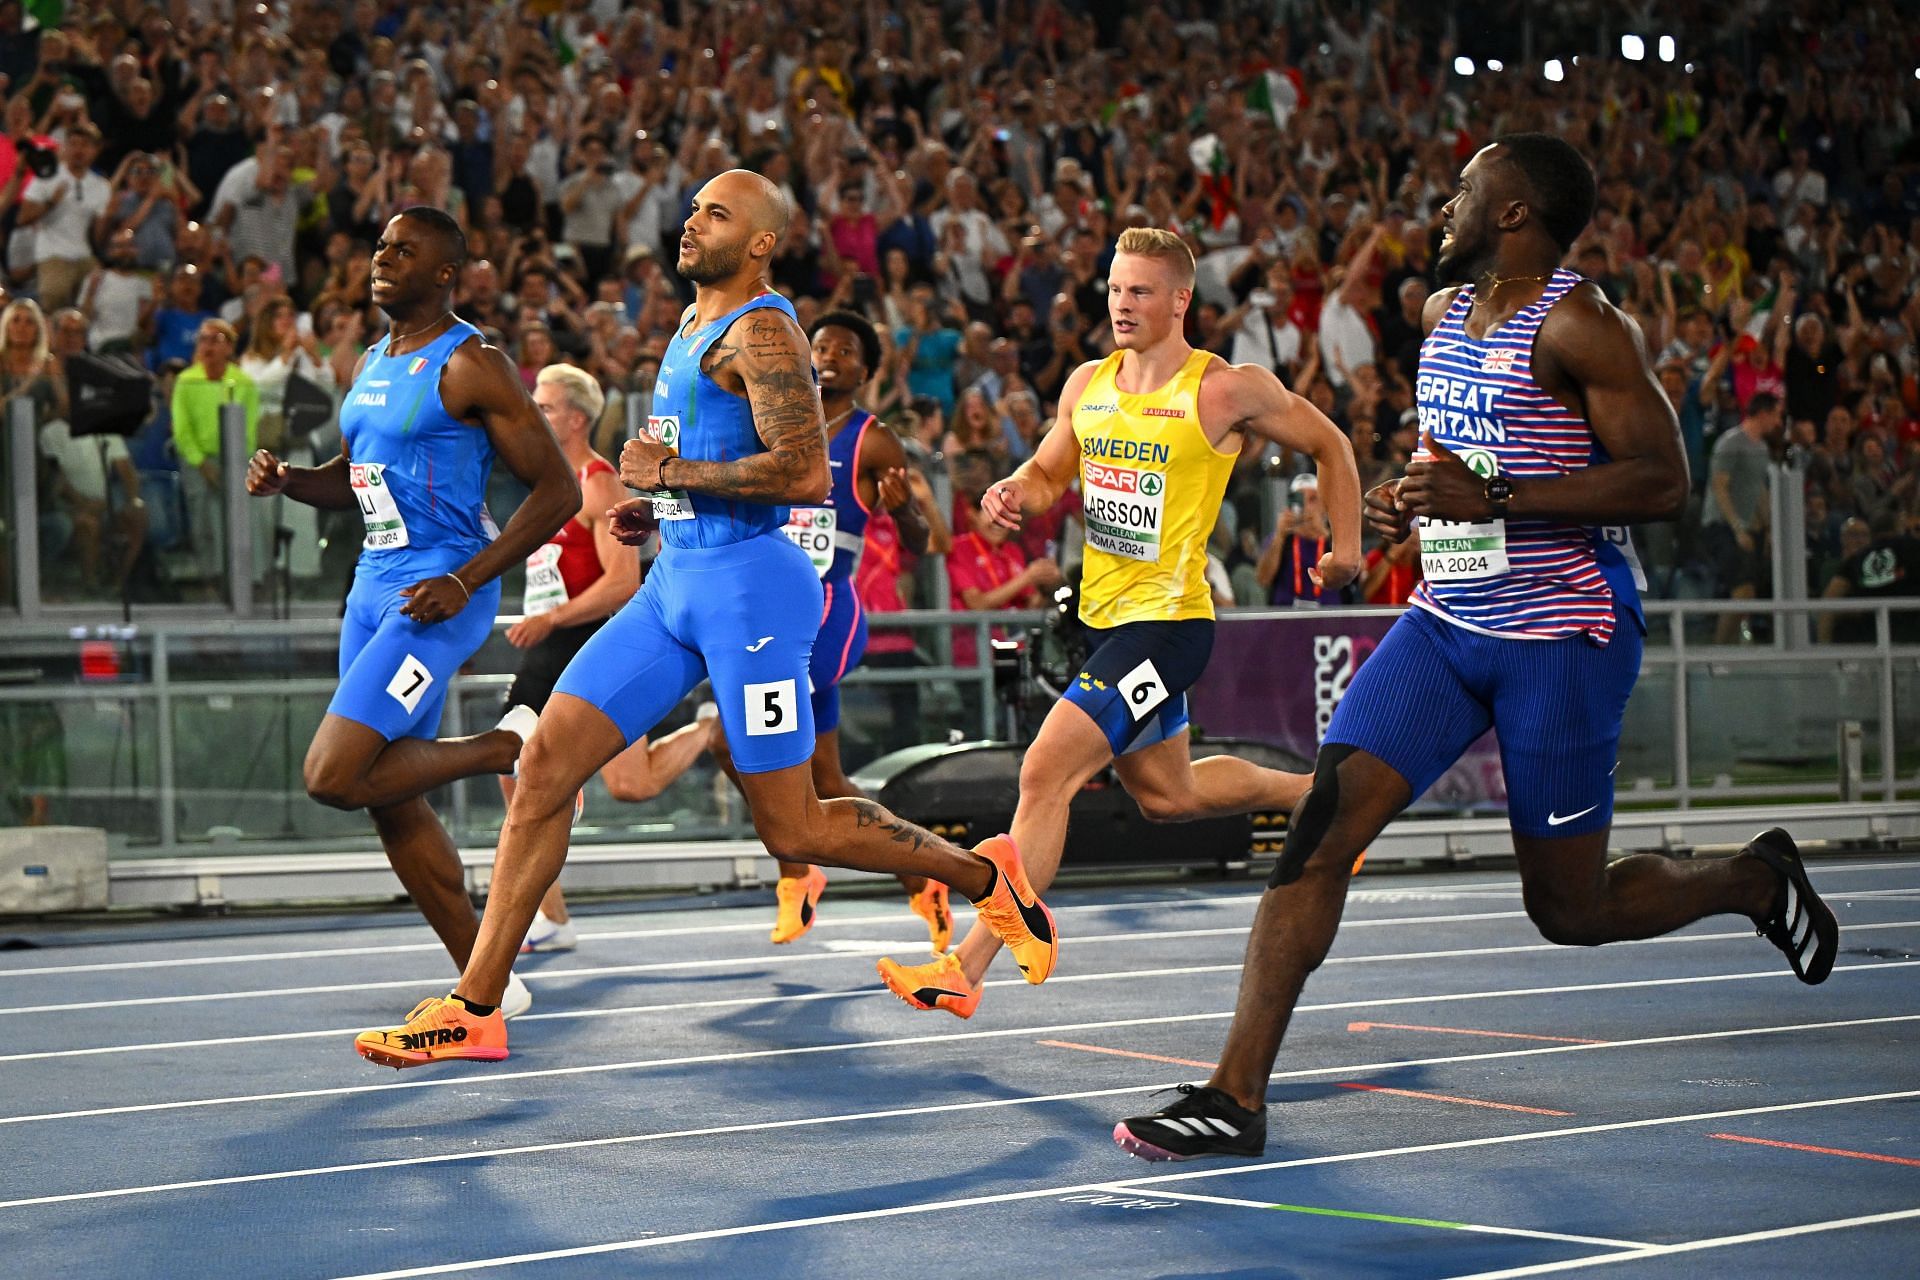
x=669 y=504
x=386 y=527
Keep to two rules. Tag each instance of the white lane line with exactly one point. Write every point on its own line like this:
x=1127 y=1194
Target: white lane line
x=1270 y=1206
x=1694 y=1246
x=739 y=1002
x=1130 y=1184
x=604 y=935
x=1380 y=893
x=542 y=976
x=492 y=1077
x=760 y=1126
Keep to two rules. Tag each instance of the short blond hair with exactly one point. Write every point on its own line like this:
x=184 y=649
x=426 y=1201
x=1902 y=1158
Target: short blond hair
x=1152 y=242
x=578 y=386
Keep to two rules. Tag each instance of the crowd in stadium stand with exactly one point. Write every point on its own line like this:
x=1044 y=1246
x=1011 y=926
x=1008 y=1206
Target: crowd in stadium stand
x=196 y=188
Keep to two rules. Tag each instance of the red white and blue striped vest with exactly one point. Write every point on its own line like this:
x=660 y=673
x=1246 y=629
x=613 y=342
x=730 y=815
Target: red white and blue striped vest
x=1478 y=398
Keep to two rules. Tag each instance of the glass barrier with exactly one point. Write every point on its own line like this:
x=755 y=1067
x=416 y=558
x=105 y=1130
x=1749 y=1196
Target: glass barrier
x=191 y=737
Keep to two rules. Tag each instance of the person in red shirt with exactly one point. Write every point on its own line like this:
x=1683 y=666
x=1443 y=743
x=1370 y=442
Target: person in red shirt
x=1392 y=572
x=987 y=571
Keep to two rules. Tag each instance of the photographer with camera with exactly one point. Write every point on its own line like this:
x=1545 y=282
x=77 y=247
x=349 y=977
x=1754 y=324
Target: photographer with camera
x=61 y=208
x=590 y=200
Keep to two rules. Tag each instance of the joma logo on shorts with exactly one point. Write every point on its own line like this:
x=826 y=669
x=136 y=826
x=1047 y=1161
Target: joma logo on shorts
x=431 y=1039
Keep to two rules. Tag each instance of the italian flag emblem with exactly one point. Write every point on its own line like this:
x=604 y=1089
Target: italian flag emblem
x=419 y=363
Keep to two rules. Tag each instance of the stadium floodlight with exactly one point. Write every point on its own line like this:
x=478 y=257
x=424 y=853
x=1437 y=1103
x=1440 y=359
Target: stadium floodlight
x=1554 y=71
x=1690 y=70
x=1668 y=50
x=1633 y=48
x=1463 y=65
x=1494 y=64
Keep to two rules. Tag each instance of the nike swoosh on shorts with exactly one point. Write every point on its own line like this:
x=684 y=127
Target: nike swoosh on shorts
x=1555 y=820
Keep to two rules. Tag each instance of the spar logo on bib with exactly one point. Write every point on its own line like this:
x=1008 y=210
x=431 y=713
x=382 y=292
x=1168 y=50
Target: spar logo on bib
x=1482 y=463
x=1125 y=508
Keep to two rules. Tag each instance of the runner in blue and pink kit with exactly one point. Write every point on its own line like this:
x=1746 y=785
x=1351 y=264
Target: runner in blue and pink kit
x=1544 y=434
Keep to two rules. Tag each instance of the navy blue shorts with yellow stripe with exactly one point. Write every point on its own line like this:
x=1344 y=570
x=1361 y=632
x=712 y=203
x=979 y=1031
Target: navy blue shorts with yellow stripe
x=1134 y=682
x=1432 y=689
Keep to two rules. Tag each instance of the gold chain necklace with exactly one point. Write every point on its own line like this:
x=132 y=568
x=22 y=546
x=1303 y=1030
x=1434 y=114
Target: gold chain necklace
x=1494 y=282
x=402 y=337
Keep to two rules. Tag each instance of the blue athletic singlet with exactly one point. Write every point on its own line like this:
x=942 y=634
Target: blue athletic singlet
x=729 y=598
x=698 y=418
x=419 y=477
x=832 y=536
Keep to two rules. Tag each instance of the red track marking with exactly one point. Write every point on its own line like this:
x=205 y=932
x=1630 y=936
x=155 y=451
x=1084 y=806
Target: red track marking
x=1447 y=1097
x=1128 y=1053
x=1819 y=1151
x=1462 y=1031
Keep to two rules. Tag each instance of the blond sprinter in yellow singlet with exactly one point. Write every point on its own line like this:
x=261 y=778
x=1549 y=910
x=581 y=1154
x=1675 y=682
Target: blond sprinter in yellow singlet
x=1151 y=432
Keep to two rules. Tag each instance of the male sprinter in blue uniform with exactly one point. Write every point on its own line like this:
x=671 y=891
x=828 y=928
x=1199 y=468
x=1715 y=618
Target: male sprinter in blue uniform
x=737 y=437
x=430 y=408
x=1544 y=432
x=869 y=470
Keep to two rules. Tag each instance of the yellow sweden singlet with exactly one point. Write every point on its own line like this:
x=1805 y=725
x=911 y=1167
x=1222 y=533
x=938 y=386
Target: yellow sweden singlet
x=1151 y=483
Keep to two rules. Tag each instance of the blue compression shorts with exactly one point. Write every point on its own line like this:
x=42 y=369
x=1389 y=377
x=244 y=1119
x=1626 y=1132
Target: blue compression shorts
x=1432 y=688
x=743 y=615
x=1134 y=682
x=394 y=672
x=838 y=650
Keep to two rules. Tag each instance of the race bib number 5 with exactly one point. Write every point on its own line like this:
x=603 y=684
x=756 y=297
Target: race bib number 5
x=811 y=529
x=1124 y=509
x=386 y=527
x=669 y=504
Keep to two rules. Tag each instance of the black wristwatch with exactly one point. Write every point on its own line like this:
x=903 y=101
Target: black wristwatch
x=1499 y=494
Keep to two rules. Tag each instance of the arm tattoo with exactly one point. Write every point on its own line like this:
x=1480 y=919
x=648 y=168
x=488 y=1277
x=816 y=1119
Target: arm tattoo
x=868 y=814
x=766 y=354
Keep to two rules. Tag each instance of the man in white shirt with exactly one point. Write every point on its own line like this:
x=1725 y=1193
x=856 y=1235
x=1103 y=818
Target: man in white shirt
x=61 y=210
x=1266 y=334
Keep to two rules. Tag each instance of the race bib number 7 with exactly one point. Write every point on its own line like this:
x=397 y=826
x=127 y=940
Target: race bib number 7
x=386 y=527
x=669 y=504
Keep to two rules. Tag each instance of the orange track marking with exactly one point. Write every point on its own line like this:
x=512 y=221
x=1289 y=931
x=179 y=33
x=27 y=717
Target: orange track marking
x=1462 y=1031
x=1819 y=1151
x=1128 y=1053
x=1446 y=1097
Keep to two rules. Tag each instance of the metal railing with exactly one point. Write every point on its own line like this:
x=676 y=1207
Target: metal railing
x=187 y=736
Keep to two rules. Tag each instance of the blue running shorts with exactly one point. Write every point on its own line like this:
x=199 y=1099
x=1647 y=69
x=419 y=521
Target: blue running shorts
x=743 y=615
x=1432 y=688
x=838 y=650
x=1134 y=682
x=394 y=672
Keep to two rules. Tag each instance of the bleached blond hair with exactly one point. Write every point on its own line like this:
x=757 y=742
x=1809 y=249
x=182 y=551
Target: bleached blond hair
x=1164 y=246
